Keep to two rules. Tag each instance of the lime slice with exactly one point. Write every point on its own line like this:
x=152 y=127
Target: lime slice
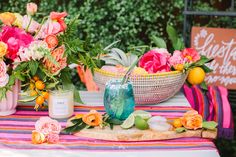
x=141 y=123
x=143 y=114
x=129 y=122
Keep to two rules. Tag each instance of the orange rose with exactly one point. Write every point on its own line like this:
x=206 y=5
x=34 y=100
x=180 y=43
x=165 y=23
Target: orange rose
x=93 y=118
x=3 y=49
x=38 y=137
x=7 y=18
x=192 y=120
x=52 y=41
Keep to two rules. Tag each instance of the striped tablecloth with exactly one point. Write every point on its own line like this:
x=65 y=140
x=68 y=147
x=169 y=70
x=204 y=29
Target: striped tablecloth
x=15 y=138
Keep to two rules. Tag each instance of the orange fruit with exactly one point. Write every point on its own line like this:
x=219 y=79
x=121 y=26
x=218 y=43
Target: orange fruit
x=177 y=123
x=45 y=95
x=179 y=67
x=196 y=76
x=36 y=78
x=31 y=86
x=39 y=85
x=33 y=93
x=39 y=100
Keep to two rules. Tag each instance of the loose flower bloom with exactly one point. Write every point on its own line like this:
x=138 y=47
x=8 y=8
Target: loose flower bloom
x=47 y=126
x=93 y=118
x=192 y=120
x=155 y=60
x=37 y=137
x=52 y=41
x=7 y=18
x=3 y=49
x=53 y=138
x=31 y=8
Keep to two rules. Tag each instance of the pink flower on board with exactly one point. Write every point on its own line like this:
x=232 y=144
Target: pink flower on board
x=33 y=26
x=190 y=55
x=58 y=55
x=155 y=60
x=14 y=38
x=46 y=125
x=4 y=77
x=53 y=138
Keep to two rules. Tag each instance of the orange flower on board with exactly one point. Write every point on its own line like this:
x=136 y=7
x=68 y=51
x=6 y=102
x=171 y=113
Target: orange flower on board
x=38 y=137
x=52 y=41
x=93 y=118
x=3 y=49
x=7 y=18
x=192 y=120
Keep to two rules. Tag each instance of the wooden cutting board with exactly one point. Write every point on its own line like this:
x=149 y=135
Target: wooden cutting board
x=133 y=134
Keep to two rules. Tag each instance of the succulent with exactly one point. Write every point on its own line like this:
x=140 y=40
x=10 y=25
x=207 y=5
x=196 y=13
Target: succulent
x=119 y=57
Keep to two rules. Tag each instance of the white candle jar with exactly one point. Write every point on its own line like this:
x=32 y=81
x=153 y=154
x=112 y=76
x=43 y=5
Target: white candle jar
x=61 y=103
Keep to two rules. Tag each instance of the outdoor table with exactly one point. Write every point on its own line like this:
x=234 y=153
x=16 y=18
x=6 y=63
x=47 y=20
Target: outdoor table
x=15 y=135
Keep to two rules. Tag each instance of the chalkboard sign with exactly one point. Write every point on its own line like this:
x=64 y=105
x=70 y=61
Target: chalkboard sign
x=219 y=44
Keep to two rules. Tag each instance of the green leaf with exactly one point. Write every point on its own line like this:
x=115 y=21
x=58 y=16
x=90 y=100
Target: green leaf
x=159 y=42
x=179 y=45
x=75 y=128
x=75 y=121
x=210 y=125
x=172 y=34
x=77 y=97
x=206 y=69
x=51 y=85
x=180 y=130
x=28 y=99
x=203 y=61
x=21 y=66
x=114 y=121
x=204 y=85
x=19 y=76
x=33 y=66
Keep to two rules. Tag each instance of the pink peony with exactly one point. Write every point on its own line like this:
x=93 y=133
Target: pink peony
x=33 y=27
x=46 y=125
x=190 y=55
x=155 y=60
x=176 y=58
x=4 y=77
x=31 y=8
x=14 y=38
x=53 y=138
x=58 y=55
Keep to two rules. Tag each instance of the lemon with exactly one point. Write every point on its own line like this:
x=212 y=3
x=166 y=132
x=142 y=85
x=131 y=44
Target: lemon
x=140 y=123
x=196 y=76
x=129 y=122
x=143 y=114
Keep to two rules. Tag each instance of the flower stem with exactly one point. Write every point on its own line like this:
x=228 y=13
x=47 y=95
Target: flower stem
x=29 y=23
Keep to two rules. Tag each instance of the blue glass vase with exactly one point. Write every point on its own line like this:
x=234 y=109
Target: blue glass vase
x=119 y=99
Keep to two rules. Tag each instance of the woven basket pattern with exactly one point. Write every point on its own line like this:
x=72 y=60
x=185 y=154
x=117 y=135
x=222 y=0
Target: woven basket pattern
x=148 y=88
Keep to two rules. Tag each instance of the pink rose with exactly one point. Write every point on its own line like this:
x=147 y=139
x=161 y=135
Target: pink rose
x=155 y=60
x=33 y=27
x=190 y=55
x=53 y=138
x=31 y=8
x=14 y=38
x=46 y=125
x=4 y=77
x=176 y=58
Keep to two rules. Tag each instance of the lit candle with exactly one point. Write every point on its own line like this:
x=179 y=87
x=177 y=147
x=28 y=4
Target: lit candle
x=61 y=104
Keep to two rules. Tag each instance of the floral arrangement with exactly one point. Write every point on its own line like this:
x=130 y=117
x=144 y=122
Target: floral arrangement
x=35 y=53
x=46 y=130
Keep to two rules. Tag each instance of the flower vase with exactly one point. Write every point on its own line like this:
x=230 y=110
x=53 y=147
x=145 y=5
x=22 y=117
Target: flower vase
x=8 y=105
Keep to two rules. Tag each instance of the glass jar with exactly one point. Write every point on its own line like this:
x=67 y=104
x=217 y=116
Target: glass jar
x=61 y=103
x=119 y=99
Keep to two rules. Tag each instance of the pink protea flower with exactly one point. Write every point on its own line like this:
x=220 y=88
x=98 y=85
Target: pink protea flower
x=190 y=55
x=155 y=60
x=14 y=38
x=58 y=55
x=46 y=125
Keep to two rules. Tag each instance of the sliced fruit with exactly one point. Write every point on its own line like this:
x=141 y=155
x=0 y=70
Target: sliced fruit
x=157 y=119
x=143 y=114
x=129 y=122
x=160 y=126
x=140 y=123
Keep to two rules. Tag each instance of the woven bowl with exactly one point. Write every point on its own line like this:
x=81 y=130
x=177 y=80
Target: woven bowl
x=148 y=88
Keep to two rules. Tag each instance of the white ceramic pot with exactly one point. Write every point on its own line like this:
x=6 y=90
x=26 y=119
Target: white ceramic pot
x=9 y=104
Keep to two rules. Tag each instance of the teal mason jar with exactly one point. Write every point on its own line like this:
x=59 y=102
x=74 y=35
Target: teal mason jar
x=119 y=99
